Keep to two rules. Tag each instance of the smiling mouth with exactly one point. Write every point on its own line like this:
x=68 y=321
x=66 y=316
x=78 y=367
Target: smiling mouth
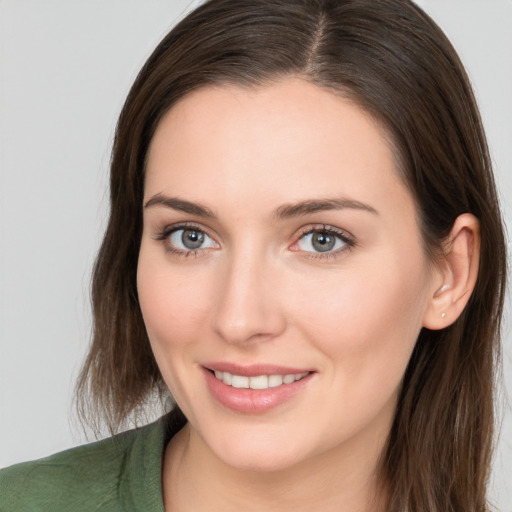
x=256 y=388
x=258 y=381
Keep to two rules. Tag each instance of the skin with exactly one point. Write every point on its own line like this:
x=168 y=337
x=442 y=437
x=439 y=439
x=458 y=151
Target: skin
x=259 y=292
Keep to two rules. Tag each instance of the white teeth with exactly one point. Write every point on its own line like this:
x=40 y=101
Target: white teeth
x=259 y=381
x=239 y=381
x=274 y=380
x=288 y=379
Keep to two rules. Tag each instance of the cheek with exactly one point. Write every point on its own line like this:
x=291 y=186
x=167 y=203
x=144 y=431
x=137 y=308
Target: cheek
x=367 y=320
x=172 y=307
x=174 y=312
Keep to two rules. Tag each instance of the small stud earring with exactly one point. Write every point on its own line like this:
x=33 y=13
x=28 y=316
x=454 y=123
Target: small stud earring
x=443 y=315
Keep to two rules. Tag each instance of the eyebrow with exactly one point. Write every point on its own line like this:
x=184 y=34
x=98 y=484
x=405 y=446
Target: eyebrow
x=285 y=211
x=308 y=207
x=180 y=205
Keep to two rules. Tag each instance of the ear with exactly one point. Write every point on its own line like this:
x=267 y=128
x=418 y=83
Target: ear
x=456 y=274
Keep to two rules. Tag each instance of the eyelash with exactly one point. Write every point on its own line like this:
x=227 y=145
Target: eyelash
x=347 y=240
x=164 y=235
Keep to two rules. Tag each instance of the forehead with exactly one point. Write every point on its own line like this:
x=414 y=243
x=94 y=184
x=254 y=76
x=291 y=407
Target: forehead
x=281 y=141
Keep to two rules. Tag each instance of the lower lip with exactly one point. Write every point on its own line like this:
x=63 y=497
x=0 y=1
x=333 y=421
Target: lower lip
x=253 y=401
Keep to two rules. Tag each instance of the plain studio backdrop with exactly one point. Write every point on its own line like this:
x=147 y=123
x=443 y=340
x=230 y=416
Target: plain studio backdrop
x=65 y=69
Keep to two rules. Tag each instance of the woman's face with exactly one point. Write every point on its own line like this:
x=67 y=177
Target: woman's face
x=279 y=244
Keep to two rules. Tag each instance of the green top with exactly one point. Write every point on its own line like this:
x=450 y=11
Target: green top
x=119 y=474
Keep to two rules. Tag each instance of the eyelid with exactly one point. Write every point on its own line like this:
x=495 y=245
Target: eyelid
x=347 y=238
x=170 y=228
x=165 y=233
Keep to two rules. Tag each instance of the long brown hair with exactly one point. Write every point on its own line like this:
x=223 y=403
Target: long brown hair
x=390 y=58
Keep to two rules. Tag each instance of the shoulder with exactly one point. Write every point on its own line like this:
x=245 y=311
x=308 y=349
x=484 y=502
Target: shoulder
x=107 y=475
x=64 y=479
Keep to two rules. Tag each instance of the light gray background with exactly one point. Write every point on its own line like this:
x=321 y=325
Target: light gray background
x=65 y=69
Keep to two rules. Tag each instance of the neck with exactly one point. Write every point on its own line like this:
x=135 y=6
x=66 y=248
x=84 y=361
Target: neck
x=196 y=480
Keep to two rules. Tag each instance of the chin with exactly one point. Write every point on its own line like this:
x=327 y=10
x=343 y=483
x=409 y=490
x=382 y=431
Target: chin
x=257 y=452
x=259 y=462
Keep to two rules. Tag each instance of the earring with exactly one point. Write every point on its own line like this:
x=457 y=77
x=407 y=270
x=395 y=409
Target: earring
x=443 y=314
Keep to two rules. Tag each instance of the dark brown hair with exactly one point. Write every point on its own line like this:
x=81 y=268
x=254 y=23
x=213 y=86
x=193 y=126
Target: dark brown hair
x=390 y=58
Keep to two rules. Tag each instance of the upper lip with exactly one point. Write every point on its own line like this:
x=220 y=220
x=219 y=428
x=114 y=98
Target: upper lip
x=253 y=370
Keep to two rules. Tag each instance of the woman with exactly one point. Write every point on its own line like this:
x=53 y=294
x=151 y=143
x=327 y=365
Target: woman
x=304 y=248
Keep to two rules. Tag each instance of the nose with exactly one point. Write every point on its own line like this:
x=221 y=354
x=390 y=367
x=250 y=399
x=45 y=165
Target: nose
x=247 y=301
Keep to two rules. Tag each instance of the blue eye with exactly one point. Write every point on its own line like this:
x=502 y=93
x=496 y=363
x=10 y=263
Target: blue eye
x=190 y=239
x=322 y=241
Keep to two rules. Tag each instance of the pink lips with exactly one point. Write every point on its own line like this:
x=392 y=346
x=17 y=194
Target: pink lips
x=252 y=401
